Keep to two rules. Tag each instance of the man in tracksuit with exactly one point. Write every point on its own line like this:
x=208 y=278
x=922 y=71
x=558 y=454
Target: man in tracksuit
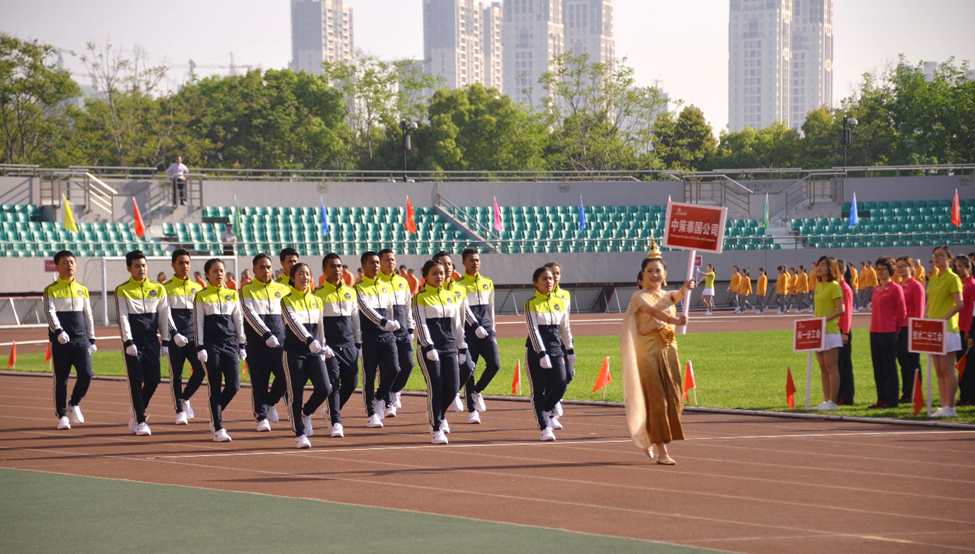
x=264 y=329
x=342 y=334
x=455 y=289
x=180 y=291
x=143 y=309
x=71 y=331
x=378 y=342
x=288 y=258
x=403 y=314
x=479 y=334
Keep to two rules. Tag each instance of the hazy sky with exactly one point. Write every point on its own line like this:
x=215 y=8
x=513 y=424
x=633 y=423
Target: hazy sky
x=682 y=44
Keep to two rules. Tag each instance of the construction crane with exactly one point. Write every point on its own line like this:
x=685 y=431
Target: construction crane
x=233 y=67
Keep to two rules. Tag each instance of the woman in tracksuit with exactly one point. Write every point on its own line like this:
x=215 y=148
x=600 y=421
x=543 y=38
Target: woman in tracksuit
x=439 y=322
x=305 y=352
x=548 y=331
x=219 y=327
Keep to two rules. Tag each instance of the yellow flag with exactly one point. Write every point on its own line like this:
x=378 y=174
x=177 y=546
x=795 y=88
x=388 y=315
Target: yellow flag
x=69 y=224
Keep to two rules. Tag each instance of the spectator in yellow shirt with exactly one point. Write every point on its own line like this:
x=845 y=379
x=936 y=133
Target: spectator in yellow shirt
x=760 y=288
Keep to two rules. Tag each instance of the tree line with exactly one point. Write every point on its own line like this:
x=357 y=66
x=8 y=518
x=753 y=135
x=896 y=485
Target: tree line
x=593 y=117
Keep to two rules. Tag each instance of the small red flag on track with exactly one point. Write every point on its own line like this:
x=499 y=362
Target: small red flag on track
x=13 y=356
x=918 y=393
x=960 y=365
x=790 y=388
x=604 y=378
x=689 y=380
x=47 y=355
x=956 y=210
x=409 y=224
x=243 y=372
x=140 y=226
x=516 y=381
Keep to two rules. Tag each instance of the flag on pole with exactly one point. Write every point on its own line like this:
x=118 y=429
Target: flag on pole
x=243 y=372
x=765 y=218
x=47 y=355
x=956 y=210
x=918 y=392
x=853 y=211
x=962 y=363
x=238 y=216
x=516 y=381
x=497 y=216
x=582 y=215
x=409 y=224
x=324 y=217
x=140 y=226
x=790 y=388
x=12 y=362
x=604 y=378
x=668 y=199
x=69 y=224
x=689 y=382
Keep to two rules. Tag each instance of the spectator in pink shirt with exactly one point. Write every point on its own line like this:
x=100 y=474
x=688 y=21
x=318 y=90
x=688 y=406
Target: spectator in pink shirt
x=845 y=395
x=886 y=319
x=966 y=324
x=914 y=302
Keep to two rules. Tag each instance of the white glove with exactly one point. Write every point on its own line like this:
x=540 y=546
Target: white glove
x=328 y=352
x=315 y=346
x=180 y=340
x=165 y=351
x=242 y=355
x=63 y=338
x=202 y=356
x=546 y=362
x=433 y=355
x=272 y=342
x=481 y=332
x=391 y=325
x=462 y=359
x=131 y=350
x=92 y=349
x=572 y=358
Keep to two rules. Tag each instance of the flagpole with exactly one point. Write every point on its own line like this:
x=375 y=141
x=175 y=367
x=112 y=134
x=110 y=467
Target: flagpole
x=808 y=377
x=929 y=385
x=687 y=293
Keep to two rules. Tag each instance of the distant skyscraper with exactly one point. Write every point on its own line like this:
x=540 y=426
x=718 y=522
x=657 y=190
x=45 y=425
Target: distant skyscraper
x=493 y=37
x=453 y=41
x=321 y=30
x=812 y=57
x=589 y=29
x=759 y=63
x=533 y=35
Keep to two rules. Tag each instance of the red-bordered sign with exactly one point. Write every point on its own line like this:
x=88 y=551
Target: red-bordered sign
x=695 y=227
x=50 y=266
x=927 y=336
x=809 y=335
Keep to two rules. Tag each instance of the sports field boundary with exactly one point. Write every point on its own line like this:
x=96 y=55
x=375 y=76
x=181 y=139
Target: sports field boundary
x=701 y=409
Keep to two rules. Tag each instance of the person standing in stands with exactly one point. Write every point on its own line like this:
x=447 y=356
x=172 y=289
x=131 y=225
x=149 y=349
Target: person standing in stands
x=844 y=362
x=178 y=173
x=143 y=309
x=479 y=334
x=966 y=385
x=707 y=295
x=914 y=300
x=944 y=302
x=343 y=335
x=403 y=315
x=782 y=290
x=264 y=330
x=802 y=289
x=180 y=293
x=761 y=289
x=228 y=239
x=733 y=290
x=378 y=323
x=220 y=342
x=889 y=314
x=71 y=331
x=829 y=304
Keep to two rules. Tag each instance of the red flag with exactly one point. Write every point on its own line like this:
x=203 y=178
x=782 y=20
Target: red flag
x=790 y=388
x=140 y=227
x=604 y=378
x=689 y=381
x=960 y=365
x=516 y=381
x=243 y=372
x=497 y=216
x=956 y=210
x=13 y=356
x=918 y=393
x=47 y=356
x=409 y=224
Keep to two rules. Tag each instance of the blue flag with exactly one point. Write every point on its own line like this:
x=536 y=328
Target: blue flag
x=324 y=217
x=853 y=211
x=582 y=215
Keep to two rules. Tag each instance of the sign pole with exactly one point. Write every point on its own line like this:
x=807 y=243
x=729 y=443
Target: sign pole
x=687 y=297
x=929 y=385
x=808 y=377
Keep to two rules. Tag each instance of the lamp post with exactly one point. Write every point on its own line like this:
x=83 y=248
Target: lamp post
x=408 y=127
x=848 y=124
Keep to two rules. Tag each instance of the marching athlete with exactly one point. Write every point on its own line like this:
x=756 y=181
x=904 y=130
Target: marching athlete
x=403 y=315
x=343 y=335
x=707 y=295
x=459 y=292
x=71 y=330
x=479 y=335
x=220 y=342
x=376 y=303
x=548 y=331
x=744 y=291
x=781 y=290
x=288 y=258
x=802 y=289
x=733 y=290
x=761 y=287
x=180 y=293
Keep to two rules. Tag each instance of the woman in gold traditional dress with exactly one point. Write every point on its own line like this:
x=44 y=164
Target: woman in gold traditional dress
x=651 y=370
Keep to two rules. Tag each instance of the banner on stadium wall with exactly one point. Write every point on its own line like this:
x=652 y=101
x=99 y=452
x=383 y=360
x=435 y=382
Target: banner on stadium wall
x=695 y=227
x=926 y=336
x=809 y=335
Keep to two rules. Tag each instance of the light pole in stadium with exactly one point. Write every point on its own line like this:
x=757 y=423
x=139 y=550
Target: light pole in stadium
x=848 y=124
x=408 y=127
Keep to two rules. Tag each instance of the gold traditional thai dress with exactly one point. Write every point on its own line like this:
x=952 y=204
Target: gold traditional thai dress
x=651 y=372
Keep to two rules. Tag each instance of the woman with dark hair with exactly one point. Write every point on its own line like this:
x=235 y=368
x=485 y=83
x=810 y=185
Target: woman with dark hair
x=220 y=342
x=944 y=302
x=651 y=368
x=845 y=360
x=914 y=303
x=887 y=316
x=828 y=303
x=707 y=295
x=966 y=318
x=549 y=343
x=439 y=319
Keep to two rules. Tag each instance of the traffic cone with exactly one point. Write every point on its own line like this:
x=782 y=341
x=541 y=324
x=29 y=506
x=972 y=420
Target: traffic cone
x=13 y=357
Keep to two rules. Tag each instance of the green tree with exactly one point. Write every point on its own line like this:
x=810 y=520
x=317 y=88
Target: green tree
x=821 y=145
x=684 y=142
x=774 y=146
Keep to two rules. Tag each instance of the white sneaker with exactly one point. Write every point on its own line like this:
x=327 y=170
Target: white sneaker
x=379 y=407
x=374 y=422
x=396 y=400
x=272 y=414
x=63 y=423
x=221 y=436
x=708 y=313
x=943 y=412
x=825 y=407
x=547 y=434
x=263 y=426
x=303 y=442
x=458 y=404
x=950 y=412
x=143 y=430
x=479 y=402
x=557 y=411
x=445 y=426
x=780 y=312
x=338 y=430
x=390 y=411
x=473 y=417
x=74 y=412
x=188 y=409
x=133 y=423
x=554 y=422
x=182 y=418
x=439 y=437
x=306 y=423
x=940 y=412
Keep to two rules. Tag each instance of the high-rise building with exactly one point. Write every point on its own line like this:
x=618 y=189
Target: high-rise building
x=493 y=37
x=812 y=58
x=452 y=41
x=533 y=35
x=759 y=63
x=321 y=30
x=588 y=28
